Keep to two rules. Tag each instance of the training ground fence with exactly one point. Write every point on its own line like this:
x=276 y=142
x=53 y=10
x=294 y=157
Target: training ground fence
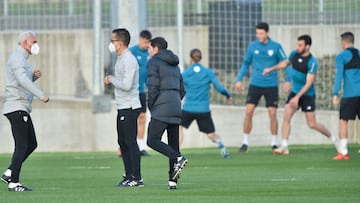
x=228 y=27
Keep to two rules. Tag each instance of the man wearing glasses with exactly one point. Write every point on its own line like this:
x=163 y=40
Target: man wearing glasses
x=126 y=83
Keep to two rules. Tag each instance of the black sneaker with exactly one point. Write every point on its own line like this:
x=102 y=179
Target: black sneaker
x=274 y=147
x=172 y=185
x=144 y=153
x=123 y=182
x=6 y=179
x=19 y=188
x=243 y=148
x=178 y=167
x=133 y=183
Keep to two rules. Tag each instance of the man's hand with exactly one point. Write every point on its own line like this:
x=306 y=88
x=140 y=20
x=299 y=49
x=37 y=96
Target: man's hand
x=294 y=102
x=229 y=101
x=266 y=71
x=239 y=87
x=37 y=73
x=45 y=99
x=107 y=79
x=336 y=100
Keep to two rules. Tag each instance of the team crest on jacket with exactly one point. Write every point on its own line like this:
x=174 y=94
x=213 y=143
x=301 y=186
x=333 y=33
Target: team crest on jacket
x=25 y=118
x=197 y=69
x=270 y=52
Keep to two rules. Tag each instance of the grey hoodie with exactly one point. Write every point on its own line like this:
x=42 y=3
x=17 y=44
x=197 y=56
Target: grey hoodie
x=19 y=83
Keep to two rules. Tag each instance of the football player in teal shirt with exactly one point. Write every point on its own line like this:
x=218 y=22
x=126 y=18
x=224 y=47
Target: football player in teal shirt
x=141 y=53
x=197 y=81
x=302 y=95
x=261 y=53
x=347 y=70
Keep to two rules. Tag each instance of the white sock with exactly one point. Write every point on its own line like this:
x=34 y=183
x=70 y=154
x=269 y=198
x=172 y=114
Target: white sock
x=7 y=172
x=12 y=185
x=246 y=139
x=284 y=143
x=343 y=146
x=273 y=140
x=140 y=143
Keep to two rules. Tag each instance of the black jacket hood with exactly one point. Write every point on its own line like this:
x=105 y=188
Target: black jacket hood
x=168 y=57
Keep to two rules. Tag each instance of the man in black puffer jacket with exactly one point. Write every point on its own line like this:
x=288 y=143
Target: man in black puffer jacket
x=165 y=92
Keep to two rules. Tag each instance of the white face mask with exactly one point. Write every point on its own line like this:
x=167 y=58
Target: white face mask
x=111 y=48
x=35 y=49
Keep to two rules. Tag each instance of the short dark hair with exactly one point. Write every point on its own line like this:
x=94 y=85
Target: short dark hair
x=263 y=26
x=348 y=37
x=123 y=35
x=159 y=42
x=306 y=38
x=195 y=55
x=146 y=34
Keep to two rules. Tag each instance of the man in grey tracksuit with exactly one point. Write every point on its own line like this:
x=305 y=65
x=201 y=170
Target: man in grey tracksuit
x=126 y=89
x=19 y=93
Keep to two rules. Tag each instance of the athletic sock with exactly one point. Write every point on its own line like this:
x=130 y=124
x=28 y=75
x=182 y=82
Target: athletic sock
x=246 y=139
x=217 y=140
x=7 y=172
x=284 y=143
x=343 y=146
x=140 y=143
x=220 y=144
x=273 y=140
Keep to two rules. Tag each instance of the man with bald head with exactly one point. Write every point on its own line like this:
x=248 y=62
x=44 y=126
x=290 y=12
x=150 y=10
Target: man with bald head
x=19 y=94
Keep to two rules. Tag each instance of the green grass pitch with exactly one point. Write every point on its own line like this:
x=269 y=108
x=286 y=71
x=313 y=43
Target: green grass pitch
x=307 y=175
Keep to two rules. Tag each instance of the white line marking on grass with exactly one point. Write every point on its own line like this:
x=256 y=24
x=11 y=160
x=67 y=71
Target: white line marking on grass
x=200 y=167
x=182 y=183
x=313 y=168
x=92 y=157
x=90 y=167
x=49 y=188
x=84 y=157
x=283 y=179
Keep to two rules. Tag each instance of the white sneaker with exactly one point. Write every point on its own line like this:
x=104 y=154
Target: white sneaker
x=17 y=187
x=282 y=150
x=172 y=185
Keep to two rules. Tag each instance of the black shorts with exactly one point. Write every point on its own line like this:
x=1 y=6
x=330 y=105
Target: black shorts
x=271 y=95
x=307 y=103
x=204 y=121
x=350 y=108
x=143 y=101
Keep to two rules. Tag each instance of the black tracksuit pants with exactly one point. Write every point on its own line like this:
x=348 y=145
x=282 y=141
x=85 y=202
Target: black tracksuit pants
x=127 y=133
x=171 y=150
x=24 y=138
